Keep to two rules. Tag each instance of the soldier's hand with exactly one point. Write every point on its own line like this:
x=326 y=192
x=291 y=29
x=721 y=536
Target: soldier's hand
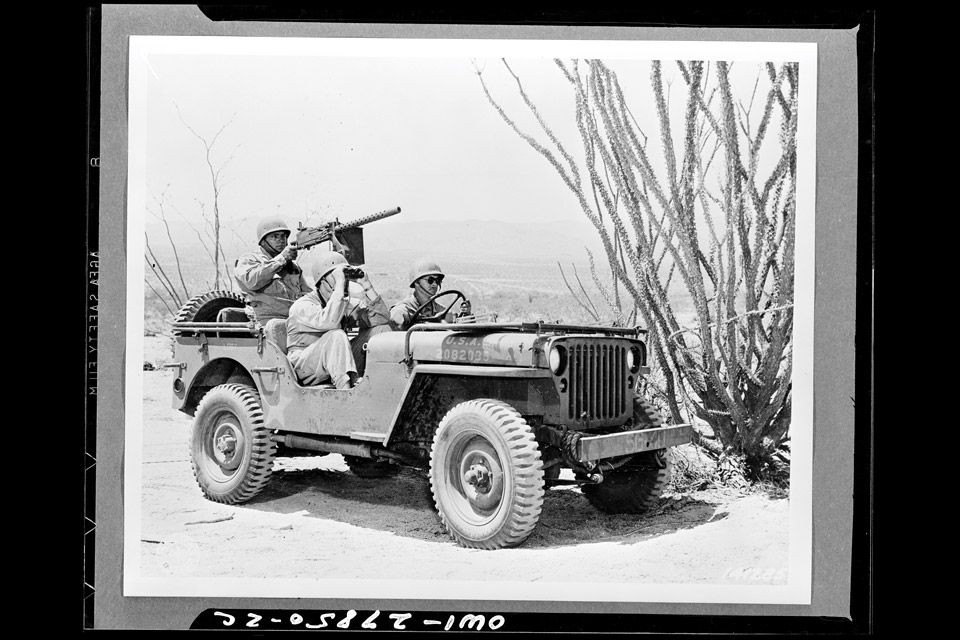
x=289 y=253
x=339 y=280
x=338 y=246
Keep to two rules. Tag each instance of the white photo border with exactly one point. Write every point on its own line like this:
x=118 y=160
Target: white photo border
x=799 y=586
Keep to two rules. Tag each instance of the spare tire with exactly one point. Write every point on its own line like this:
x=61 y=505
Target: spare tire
x=206 y=306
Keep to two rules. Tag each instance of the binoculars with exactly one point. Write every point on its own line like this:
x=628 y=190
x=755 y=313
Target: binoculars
x=352 y=273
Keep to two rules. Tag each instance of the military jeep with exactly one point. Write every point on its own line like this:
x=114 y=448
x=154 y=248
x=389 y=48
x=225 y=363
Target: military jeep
x=491 y=410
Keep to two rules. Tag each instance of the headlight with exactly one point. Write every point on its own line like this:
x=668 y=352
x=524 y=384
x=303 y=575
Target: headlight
x=558 y=360
x=634 y=359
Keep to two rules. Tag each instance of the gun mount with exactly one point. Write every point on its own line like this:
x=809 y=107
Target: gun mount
x=311 y=236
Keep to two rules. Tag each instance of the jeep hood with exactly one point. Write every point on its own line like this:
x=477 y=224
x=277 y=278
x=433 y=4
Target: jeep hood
x=460 y=347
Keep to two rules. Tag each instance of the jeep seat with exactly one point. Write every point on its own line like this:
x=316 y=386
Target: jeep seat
x=276 y=332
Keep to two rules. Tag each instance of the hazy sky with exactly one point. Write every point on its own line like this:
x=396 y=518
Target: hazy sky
x=348 y=134
x=351 y=136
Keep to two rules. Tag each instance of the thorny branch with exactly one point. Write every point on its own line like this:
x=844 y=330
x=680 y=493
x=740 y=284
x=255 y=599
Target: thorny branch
x=717 y=209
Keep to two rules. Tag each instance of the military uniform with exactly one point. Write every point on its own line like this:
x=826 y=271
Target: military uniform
x=268 y=287
x=425 y=279
x=402 y=312
x=317 y=343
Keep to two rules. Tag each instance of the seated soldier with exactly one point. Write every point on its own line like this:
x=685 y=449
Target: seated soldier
x=426 y=278
x=268 y=276
x=317 y=343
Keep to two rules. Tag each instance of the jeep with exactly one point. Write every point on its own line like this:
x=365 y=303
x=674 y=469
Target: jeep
x=491 y=410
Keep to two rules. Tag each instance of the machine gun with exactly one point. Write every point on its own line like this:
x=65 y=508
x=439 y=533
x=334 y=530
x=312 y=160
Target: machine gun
x=310 y=236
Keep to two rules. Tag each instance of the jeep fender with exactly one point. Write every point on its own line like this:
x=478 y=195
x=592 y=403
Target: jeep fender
x=203 y=371
x=212 y=374
x=434 y=389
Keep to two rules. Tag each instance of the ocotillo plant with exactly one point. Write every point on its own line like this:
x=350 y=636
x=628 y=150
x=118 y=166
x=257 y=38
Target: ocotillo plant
x=710 y=219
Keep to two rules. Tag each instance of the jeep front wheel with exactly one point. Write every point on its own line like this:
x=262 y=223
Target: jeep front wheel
x=486 y=475
x=230 y=449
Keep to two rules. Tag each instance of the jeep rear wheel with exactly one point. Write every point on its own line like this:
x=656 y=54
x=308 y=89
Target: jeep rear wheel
x=486 y=475
x=635 y=486
x=230 y=449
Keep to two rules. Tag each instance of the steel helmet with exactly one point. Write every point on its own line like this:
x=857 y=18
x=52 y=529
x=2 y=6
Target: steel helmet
x=424 y=267
x=268 y=226
x=325 y=263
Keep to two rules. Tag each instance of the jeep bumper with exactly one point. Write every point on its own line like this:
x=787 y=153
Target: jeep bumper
x=591 y=448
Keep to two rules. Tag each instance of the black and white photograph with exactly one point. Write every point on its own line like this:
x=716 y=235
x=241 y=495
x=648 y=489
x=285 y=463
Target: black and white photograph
x=522 y=320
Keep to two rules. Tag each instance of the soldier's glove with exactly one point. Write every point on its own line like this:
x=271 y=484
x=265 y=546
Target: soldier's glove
x=288 y=253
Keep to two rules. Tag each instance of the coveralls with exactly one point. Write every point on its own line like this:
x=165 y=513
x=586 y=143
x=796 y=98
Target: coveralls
x=317 y=343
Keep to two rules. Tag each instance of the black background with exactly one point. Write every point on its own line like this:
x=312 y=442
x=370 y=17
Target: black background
x=83 y=30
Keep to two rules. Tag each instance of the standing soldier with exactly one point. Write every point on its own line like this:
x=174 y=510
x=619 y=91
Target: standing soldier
x=426 y=278
x=269 y=278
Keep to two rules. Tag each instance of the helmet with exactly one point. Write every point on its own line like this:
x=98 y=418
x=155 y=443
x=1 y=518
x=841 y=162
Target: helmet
x=325 y=263
x=424 y=267
x=268 y=226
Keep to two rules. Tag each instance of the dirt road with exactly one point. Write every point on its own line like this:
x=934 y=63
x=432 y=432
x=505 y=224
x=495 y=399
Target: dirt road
x=316 y=519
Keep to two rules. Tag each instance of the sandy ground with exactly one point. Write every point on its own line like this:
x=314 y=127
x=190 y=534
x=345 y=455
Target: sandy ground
x=317 y=519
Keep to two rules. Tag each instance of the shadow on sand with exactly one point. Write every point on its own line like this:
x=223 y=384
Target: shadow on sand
x=403 y=505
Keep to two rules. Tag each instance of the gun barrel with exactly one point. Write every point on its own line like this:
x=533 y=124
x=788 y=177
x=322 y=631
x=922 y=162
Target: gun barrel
x=380 y=215
x=310 y=236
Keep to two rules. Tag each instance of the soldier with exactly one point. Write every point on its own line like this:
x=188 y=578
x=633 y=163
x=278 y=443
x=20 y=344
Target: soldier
x=426 y=278
x=317 y=343
x=269 y=278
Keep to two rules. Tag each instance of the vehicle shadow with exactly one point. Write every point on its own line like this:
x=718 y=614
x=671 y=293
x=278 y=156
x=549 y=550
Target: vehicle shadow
x=569 y=518
x=403 y=505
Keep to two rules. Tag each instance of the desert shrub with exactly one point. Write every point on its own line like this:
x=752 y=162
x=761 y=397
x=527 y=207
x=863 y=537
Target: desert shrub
x=705 y=206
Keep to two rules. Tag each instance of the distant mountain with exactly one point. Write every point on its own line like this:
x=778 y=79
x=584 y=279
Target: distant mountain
x=480 y=241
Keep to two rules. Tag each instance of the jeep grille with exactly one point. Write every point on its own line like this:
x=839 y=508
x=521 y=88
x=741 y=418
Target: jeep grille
x=597 y=375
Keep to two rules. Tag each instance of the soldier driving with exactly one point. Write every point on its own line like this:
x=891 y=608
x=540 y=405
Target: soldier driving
x=317 y=343
x=269 y=278
x=426 y=278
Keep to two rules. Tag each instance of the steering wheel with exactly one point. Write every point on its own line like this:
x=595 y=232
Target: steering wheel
x=417 y=317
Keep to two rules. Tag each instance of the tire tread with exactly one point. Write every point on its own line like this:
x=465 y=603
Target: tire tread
x=527 y=502
x=205 y=306
x=634 y=489
x=262 y=448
